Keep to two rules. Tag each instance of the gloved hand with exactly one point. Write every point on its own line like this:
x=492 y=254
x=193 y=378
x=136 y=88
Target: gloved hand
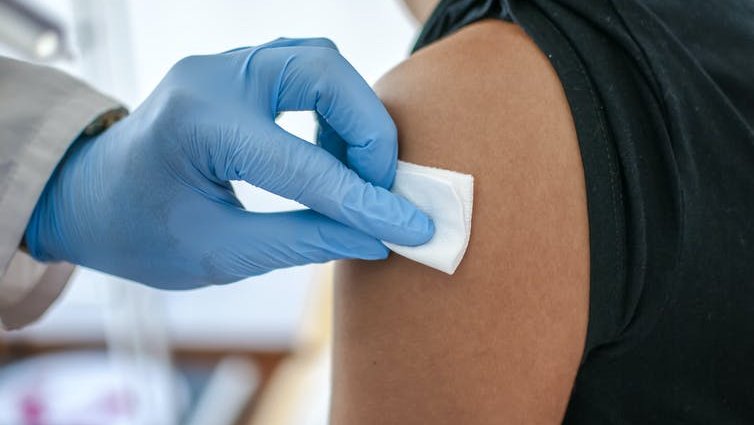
x=149 y=199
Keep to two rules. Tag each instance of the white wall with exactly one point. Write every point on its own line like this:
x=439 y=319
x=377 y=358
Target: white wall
x=373 y=34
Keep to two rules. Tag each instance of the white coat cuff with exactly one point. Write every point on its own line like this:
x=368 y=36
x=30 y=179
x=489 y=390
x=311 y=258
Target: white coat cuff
x=29 y=288
x=43 y=112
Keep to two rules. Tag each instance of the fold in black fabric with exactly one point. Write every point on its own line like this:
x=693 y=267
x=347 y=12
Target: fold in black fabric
x=662 y=96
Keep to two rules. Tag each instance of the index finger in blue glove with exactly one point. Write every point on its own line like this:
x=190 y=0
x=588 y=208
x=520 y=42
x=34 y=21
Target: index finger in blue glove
x=299 y=170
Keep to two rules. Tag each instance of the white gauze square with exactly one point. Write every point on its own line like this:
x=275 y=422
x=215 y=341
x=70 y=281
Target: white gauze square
x=447 y=197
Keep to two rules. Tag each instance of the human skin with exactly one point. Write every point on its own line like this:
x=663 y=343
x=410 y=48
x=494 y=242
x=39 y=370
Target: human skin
x=421 y=9
x=500 y=341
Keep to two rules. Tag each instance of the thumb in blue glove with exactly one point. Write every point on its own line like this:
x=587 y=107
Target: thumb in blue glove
x=150 y=199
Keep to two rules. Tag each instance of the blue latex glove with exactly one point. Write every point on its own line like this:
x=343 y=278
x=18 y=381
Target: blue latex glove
x=149 y=199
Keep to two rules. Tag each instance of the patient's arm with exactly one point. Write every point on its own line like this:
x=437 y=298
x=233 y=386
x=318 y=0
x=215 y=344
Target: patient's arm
x=500 y=341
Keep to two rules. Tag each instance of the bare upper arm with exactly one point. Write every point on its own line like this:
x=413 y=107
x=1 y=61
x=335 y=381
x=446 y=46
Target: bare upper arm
x=501 y=340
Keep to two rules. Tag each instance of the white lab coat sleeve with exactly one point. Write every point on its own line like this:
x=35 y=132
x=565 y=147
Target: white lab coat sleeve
x=42 y=111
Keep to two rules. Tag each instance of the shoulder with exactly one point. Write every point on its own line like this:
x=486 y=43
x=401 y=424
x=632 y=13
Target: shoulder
x=486 y=101
x=487 y=85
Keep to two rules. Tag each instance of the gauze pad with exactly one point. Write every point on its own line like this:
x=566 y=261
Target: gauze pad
x=446 y=196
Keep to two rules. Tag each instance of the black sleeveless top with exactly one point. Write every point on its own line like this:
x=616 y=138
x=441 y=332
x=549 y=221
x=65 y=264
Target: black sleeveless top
x=662 y=96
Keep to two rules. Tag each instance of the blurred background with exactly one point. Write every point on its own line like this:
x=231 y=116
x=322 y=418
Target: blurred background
x=111 y=352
